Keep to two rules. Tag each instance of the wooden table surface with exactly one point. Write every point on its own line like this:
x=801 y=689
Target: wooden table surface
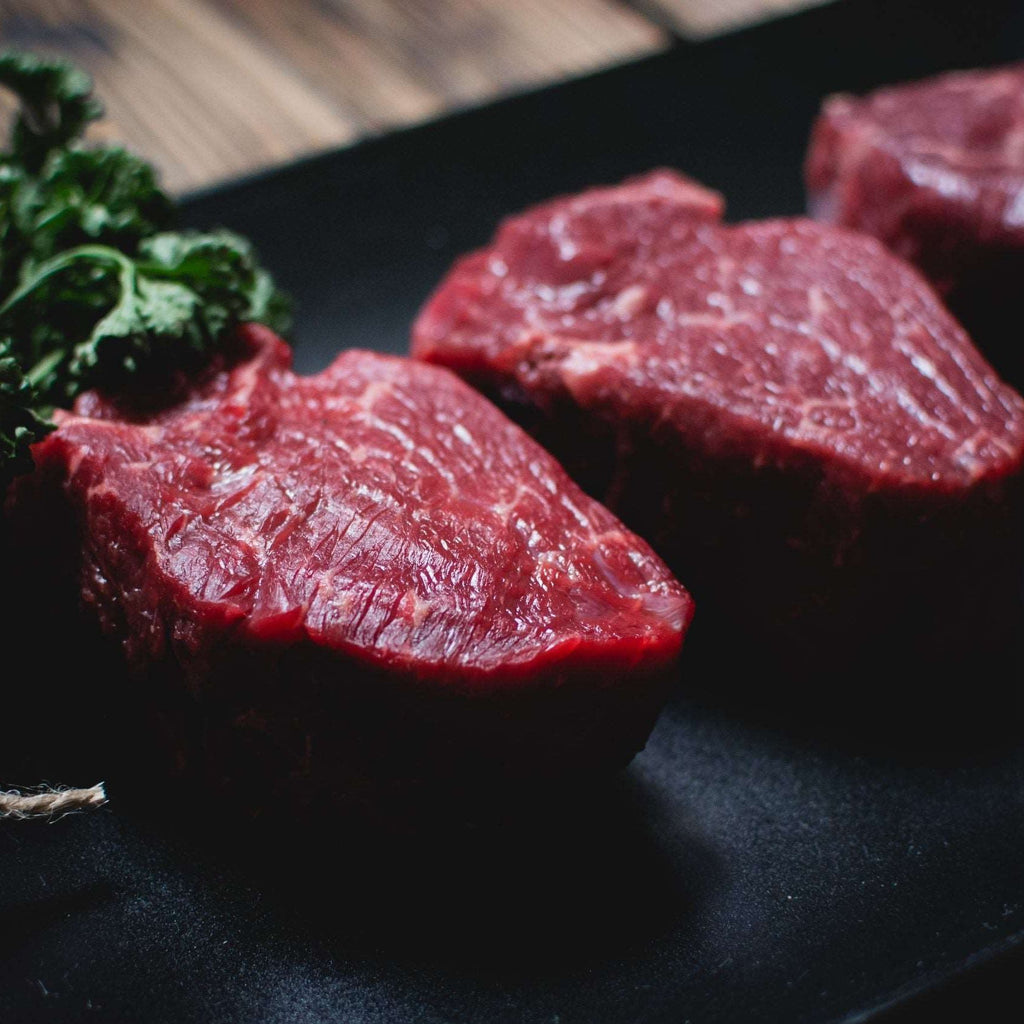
x=209 y=89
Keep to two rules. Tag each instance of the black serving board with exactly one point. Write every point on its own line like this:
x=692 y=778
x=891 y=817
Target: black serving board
x=767 y=858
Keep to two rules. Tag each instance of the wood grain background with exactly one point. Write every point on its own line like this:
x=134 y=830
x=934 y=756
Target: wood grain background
x=209 y=89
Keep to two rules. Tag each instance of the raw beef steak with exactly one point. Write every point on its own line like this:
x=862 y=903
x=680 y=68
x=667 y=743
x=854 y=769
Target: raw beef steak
x=363 y=577
x=935 y=169
x=784 y=409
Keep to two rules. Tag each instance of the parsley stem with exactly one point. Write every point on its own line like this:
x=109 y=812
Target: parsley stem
x=58 y=263
x=45 y=367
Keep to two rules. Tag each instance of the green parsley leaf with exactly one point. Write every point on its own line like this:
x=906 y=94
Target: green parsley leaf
x=21 y=423
x=56 y=105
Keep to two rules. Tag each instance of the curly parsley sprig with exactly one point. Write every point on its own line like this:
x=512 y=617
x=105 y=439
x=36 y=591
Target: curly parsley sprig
x=96 y=286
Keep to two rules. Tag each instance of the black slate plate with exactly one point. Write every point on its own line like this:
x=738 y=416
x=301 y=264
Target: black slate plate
x=764 y=860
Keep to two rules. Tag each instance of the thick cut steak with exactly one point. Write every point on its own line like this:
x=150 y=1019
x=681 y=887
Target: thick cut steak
x=784 y=409
x=935 y=169
x=370 y=573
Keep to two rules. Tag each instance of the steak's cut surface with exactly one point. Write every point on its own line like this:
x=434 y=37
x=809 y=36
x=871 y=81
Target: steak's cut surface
x=784 y=409
x=366 y=574
x=935 y=169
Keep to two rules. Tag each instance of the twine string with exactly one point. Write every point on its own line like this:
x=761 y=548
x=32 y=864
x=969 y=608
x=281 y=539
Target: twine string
x=50 y=802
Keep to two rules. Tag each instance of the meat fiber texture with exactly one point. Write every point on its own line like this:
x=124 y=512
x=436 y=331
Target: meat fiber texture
x=935 y=169
x=783 y=408
x=360 y=579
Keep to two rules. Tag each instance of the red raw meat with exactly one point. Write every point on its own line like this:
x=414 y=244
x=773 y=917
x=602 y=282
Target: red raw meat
x=369 y=574
x=935 y=169
x=784 y=409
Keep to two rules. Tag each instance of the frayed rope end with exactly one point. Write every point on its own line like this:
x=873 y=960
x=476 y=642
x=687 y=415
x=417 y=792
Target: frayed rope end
x=47 y=802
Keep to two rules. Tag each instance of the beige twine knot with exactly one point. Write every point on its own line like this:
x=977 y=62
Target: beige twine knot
x=46 y=802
